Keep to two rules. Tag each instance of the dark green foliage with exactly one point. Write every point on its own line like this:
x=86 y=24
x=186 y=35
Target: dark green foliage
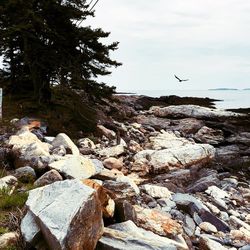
x=43 y=46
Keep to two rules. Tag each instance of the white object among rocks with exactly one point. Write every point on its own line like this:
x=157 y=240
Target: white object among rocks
x=157 y=191
x=208 y=227
x=217 y=192
x=8 y=181
x=77 y=167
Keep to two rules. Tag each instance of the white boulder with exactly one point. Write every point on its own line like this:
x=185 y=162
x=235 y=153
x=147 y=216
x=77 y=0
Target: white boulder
x=77 y=226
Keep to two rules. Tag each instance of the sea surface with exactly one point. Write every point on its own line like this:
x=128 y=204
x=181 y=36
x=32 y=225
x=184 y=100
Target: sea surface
x=230 y=99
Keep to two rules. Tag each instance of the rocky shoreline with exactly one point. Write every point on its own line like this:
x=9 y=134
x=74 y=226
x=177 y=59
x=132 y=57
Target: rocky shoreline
x=153 y=176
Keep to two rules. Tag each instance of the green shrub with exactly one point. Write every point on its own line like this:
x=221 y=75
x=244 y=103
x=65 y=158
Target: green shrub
x=17 y=199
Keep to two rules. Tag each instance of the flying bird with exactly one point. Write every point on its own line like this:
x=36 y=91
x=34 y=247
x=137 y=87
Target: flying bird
x=180 y=80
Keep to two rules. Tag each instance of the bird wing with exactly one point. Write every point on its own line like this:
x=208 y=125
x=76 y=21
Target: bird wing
x=177 y=77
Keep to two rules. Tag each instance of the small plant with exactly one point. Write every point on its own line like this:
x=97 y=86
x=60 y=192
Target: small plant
x=17 y=199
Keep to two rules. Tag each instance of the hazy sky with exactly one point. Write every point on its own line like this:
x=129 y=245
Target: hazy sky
x=207 y=41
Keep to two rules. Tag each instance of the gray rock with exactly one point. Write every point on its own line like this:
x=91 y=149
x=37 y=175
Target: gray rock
x=25 y=174
x=187 y=126
x=122 y=189
x=77 y=167
x=48 y=178
x=206 y=216
x=30 y=230
x=189 y=226
x=60 y=150
x=178 y=157
x=209 y=135
x=203 y=183
x=64 y=140
x=127 y=235
x=247 y=247
x=112 y=151
x=165 y=202
x=86 y=143
x=208 y=244
x=193 y=111
x=124 y=211
x=241 y=138
x=186 y=199
x=49 y=139
x=155 y=122
x=77 y=225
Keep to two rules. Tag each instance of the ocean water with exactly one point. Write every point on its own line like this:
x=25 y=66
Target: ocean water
x=230 y=99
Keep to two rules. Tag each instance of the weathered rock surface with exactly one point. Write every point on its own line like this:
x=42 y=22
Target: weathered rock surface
x=167 y=140
x=157 y=222
x=113 y=163
x=127 y=235
x=209 y=136
x=157 y=191
x=208 y=244
x=107 y=203
x=25 y=174
x=178 y=157
x=48 y=178
x=110 y=134
x=64 y=140
x=77 y=226
x=193 y=111
x=77 y=167
x=112 y=151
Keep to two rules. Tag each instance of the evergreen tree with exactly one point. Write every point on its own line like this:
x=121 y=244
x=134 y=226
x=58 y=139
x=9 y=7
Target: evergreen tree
x=43 y=45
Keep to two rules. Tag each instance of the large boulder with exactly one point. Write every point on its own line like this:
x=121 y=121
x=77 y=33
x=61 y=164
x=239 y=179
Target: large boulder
x=27 y=149
x=77 y=226
x=77 y=167
x=178 y=157
x=193 y=111
x=64 y=140
x=127 y=235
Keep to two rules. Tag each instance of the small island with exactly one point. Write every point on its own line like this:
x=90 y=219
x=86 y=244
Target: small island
x=223 y=89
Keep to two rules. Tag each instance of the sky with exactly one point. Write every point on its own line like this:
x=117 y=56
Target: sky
x=206 y=41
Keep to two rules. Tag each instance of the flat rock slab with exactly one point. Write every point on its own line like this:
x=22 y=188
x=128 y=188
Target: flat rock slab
x=77 y=226
x=77 y=167
x=178 y=157
x=127 y=235
x=193 y=111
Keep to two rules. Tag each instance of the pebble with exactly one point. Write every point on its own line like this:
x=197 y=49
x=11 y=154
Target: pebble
x=208 y=227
